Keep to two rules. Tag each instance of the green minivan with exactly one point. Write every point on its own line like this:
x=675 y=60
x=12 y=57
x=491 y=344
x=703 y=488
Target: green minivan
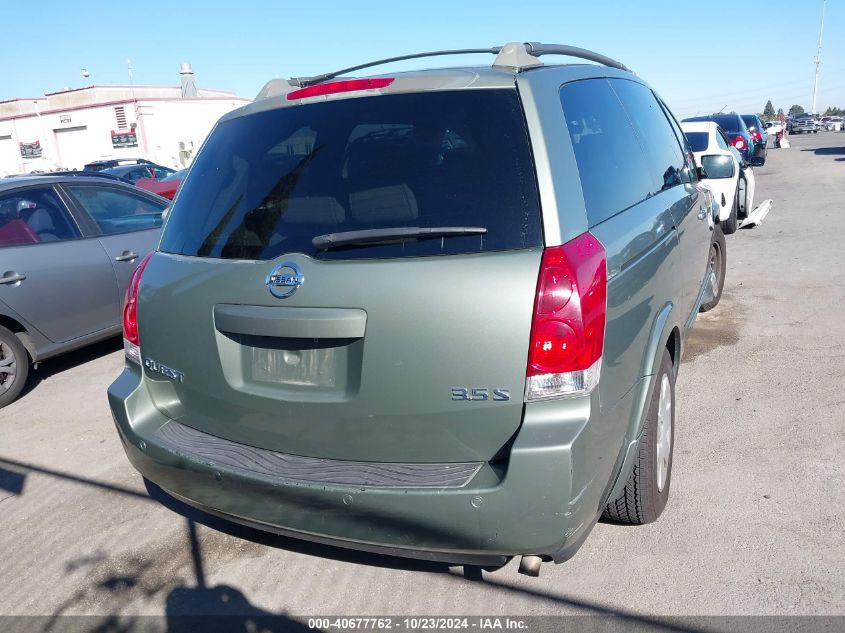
x=437 y=314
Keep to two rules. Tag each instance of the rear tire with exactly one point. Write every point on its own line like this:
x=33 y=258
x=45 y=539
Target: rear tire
x=729 y=225
x=718 y=264
x=14 y=366
x=647 y=489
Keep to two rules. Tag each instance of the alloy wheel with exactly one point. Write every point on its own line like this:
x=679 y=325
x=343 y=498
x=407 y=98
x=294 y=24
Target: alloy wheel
x=8 y=368
x=715 y=267
x=664 y=431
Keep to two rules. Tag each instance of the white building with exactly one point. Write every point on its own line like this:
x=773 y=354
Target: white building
x=67 y=129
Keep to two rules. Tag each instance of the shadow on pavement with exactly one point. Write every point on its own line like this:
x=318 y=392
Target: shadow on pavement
x=4 y=461
x=58 y=364
x=11 y=483
x=115 y=583
x=826 y=151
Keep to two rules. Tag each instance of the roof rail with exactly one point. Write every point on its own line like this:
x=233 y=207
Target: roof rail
x=536 y=49
x=310 y=81
x=515 y=55
x=84 y=174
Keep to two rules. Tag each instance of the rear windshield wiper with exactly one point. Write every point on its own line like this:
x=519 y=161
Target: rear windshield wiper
x=391 y=235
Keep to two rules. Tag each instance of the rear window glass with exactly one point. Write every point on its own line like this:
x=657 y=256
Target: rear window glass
x=268 y=183
x=750 y=121
x=728 y=122
x=698 y=141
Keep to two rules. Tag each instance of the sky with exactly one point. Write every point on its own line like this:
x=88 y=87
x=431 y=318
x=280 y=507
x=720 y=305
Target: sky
x=700 y=57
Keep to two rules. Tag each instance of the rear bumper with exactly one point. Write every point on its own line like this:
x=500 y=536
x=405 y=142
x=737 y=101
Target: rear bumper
x=528 y=505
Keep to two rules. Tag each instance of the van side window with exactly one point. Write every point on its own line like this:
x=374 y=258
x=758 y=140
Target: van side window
x=606 y=149
x=665 y=157
x=690 y=171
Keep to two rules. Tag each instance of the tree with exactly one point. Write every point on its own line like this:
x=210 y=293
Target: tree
x=780 y=113
x=769 y=110
x=796 y=109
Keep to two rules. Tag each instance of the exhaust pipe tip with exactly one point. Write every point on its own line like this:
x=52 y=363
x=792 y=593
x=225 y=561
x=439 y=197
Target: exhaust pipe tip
x=529 y=565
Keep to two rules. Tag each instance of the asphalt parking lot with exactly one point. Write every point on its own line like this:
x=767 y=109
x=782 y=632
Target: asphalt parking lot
x=753 y=525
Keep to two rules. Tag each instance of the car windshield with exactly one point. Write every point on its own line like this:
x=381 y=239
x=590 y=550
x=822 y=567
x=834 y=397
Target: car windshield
x=269 y=183
x=698 y=141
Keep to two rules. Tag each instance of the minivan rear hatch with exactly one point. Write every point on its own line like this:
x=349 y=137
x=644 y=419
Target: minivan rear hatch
x=305 y=312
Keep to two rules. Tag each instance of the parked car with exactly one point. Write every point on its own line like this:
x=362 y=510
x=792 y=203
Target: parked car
x=99 y=165
x=802 y=123
x=773 y=128
x=738 y=133
x=68 y=246
x=833 y=124
x=759 y=133
x=133 y=173
x=298 y=359
x=720 y=170
x=746 y=186
x=166 y=186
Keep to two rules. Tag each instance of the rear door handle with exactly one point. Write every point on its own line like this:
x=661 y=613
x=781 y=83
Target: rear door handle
x=286 y=322
x=126 y=256
x=11 y=277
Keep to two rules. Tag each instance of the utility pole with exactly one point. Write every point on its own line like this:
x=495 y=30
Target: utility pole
x=137 y=109
x=818 y=59
x=43 y=134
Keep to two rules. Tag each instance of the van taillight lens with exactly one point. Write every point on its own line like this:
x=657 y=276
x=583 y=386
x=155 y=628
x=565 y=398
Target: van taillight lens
x=757 y=136
x=347 y=85
x=570 y=310
x=739 y=143
x=131 y=341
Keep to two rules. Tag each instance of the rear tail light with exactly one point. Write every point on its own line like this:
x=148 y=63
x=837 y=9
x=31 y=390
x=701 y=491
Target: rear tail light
x=757 y=136
x=131 y=341
x=739 y=143
x=347 y=85
x=570 y=309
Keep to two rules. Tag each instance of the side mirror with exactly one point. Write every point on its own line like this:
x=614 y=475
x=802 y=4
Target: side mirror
x=702 y=173
x=717 y=166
